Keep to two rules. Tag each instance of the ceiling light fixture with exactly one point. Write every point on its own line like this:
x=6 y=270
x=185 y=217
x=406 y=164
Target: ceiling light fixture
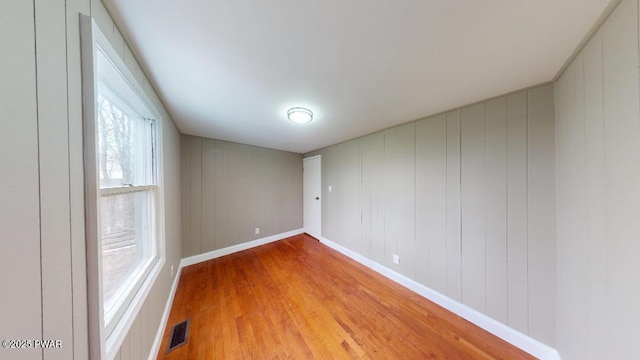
x=300 y=115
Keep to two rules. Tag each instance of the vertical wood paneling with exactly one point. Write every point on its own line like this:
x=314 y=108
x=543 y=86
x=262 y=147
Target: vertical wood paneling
x=50 y=17
x=43 y=38
x=517 y=212
x=423 y=235
x=577 y=217
x=232 y=186
x=567 y=272
x=269 y=182
x=470 y=204
x=284 y=189
x=195 y=222
x=391 y=187
x=19 y=191
x=125 y=353
x=541 y=224
x=297 y=189
x=145 y=334
x=335 y=198
x=372 y=196
x=297 y=178
x=294 y=174
x=154 y=313
x=431 y=202
x=229 y=189
x=595 y=177
x=622 y=168
x=454 y=213
x=399 y=187
x=222 y=195
x=341 y=193
x=340 y=190
x=598 y=193
x=208 y=195
x=185 y=146
x=328 y=201
x=496 y=208
x=351 y=218
x=135 y=351
x=472 y=124
x=172 y=199
x=331 y=219
x=248 y=200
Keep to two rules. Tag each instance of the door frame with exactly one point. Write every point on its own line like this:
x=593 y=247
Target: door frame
x=307 y=199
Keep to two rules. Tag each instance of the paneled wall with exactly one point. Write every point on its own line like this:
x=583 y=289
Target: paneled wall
x=140 y=338
x=19 y=184
x=598 y=185
x=465 y=198
x=229 y=189
x=42 y=262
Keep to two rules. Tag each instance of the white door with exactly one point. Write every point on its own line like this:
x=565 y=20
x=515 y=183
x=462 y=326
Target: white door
x=312 y=189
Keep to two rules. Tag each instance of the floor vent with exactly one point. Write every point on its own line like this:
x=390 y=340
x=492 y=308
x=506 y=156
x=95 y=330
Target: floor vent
x=178 y=336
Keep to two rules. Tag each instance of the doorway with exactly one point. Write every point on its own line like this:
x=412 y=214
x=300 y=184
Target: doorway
x=312 y=191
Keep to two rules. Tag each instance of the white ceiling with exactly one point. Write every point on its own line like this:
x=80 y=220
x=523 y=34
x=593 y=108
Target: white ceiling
x=230 y=69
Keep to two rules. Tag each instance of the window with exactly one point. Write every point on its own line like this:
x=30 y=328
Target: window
x=123 y=197
x=126 y=165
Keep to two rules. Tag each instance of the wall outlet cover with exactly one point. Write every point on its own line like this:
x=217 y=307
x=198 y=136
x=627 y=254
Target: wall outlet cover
x=257 y=231
x=396 y=259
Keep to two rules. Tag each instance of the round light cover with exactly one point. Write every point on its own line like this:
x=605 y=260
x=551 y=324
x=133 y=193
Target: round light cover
x=300 y=115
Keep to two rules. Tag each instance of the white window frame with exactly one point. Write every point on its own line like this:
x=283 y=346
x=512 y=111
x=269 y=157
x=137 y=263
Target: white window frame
x=105 y=342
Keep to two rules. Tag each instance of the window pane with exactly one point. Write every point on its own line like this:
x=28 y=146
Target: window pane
x=124 y=146
x=125 y=139
x=126 y=233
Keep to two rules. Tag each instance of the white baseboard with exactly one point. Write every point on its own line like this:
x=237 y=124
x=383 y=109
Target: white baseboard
x=191 y=260
x=522 y=341
x=153 y=354
x=236 y=248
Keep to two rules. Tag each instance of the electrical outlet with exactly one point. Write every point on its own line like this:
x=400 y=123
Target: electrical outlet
x=396 y=259
x=257 y=231
x=172 y=273
x=330 y=188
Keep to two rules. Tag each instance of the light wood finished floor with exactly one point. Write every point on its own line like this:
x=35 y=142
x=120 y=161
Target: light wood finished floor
x=298 y=299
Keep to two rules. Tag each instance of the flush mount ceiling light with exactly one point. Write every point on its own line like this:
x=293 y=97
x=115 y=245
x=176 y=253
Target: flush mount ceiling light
x=300 y=115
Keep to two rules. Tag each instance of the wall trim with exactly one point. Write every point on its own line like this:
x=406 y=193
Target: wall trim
x=512 y=336
x=192 y=260
x=604 y=16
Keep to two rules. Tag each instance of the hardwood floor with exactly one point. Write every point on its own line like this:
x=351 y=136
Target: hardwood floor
x=298 y=299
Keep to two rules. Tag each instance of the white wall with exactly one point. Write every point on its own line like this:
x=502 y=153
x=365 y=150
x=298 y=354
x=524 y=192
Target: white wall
x=598 y=186
x=42 y=262
x=465 y=198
